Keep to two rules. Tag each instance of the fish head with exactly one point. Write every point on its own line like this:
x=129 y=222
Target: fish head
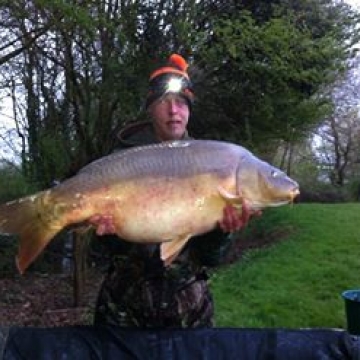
x=263 y=185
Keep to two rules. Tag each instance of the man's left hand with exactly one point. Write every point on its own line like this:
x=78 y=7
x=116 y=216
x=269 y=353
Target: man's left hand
x=233 y=221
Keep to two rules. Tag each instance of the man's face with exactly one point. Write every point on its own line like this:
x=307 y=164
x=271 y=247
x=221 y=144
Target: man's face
x=170 y=116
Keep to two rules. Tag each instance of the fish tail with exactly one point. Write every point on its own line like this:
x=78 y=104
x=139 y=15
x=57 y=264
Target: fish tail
x=30 y=220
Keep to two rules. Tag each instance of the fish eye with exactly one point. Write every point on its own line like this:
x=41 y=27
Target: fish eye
x=274 y=173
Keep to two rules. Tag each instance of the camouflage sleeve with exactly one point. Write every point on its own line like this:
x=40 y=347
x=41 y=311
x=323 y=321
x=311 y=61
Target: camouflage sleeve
x=210 y=249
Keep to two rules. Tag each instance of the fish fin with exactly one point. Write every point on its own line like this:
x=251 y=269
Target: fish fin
x=234 y=199
x=32 y=242
x=170 y=250
x=22 y=218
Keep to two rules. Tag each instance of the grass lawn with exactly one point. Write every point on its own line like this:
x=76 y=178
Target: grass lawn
x=295 y=283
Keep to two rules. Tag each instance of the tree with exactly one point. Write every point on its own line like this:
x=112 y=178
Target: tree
x=339 y=133
x=264 y=66
x=88 y=73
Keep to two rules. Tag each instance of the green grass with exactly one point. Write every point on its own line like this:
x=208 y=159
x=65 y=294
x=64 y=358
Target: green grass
x=298 y=282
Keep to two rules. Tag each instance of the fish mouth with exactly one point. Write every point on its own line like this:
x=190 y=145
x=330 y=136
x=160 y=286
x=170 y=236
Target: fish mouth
x=288 y=199
x=294 y=194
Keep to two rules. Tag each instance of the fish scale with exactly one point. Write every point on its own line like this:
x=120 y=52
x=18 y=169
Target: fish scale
x=175 y=157
x=163 y=193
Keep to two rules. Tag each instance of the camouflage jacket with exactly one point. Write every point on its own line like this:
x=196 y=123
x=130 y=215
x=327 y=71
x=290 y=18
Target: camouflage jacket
x=139 y=291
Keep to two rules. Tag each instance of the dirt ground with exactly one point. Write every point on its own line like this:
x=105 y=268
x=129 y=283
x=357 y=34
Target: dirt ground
x=43 y=300
x=47 y=300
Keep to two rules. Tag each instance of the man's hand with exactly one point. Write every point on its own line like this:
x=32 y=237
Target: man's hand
x=233 y=221
x=104 y=224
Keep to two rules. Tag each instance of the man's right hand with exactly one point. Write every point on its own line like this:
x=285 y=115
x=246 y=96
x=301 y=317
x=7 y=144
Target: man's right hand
x=104 y=224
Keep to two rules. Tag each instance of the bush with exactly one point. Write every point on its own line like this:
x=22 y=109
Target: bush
x=354 y=190
x=8 y=250
x=324 y=193
x=13 y=183
x=323 y=196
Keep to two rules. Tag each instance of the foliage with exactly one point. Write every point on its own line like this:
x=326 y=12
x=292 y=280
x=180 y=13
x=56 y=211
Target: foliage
x=265 y=67
x=13 y=184
x=354 y=189
x=314 y=184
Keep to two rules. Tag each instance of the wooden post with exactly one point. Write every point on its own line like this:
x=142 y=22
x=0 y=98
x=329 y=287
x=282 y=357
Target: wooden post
x=80 y=245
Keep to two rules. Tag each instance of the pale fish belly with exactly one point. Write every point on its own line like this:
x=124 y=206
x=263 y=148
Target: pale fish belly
x=161 y=209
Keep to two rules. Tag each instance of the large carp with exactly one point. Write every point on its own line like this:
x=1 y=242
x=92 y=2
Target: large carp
x=162 y=193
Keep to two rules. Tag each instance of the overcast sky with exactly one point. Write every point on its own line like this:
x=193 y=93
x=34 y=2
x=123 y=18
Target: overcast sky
x=355 y=3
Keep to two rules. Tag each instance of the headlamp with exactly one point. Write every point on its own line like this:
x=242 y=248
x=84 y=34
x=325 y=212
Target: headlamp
x=174 y=85
x=167 y=84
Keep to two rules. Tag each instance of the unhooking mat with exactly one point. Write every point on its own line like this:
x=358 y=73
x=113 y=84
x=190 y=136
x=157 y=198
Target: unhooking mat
x=87 y=342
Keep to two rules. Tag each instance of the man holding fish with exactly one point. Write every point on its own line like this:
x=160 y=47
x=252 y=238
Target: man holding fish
x=139 y=289
x=169 y=201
